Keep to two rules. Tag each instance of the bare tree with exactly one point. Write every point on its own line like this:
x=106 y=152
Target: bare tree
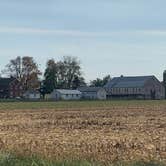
x=25 y=70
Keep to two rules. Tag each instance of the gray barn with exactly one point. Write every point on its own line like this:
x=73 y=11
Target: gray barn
x=93 y=93
x=139 y=87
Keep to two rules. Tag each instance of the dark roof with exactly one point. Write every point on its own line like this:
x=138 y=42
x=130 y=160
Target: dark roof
x=6 y=81
x=31 y=92
x=89 y=89
x=128 y=82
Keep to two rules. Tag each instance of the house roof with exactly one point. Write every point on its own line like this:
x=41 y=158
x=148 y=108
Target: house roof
x=6 y=81
x=89 y=89
x=68 y=91
x=128 y=82
x=31 y=92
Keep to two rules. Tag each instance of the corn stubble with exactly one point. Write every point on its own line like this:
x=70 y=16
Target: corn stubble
x=95 y=134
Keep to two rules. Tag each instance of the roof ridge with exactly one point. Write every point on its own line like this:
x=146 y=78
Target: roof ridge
x=128 y=81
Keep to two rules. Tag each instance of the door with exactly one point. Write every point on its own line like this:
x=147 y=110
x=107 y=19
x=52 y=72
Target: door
x=153 y=94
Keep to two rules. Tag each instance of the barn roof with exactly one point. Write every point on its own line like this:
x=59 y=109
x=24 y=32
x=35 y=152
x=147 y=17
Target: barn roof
x=89 y=89
x=68 y=91
x=6 y=81
x=128 y=82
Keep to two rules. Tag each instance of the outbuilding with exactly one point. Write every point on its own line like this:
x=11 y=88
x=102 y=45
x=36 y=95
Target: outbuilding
x=32 y=95
x=65 y=94
x=93 y=93
x=135 y=87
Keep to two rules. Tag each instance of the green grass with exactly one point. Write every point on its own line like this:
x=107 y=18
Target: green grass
x=10 y=160
x=78 y=104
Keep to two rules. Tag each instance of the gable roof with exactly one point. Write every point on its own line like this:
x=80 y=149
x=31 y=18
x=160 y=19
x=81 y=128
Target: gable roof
x=89 y=89
x=6 y=81
x=31 y=92
x=68 y=91
x=128 y=82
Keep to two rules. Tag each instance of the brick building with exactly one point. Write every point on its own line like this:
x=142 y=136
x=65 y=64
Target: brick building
x=10 y=88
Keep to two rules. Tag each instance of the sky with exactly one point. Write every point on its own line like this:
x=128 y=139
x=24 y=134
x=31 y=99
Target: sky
x=116 y=37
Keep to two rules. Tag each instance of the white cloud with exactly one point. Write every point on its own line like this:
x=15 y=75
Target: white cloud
x=77 y=33
x=38 y=31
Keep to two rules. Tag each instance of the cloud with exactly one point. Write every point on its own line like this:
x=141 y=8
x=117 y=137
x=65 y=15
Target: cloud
x=38 y=31
x=77 y=33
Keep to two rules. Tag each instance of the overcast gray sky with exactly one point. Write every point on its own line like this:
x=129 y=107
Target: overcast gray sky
x=109 y=36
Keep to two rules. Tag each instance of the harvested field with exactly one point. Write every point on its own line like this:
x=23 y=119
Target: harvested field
x=100 y=132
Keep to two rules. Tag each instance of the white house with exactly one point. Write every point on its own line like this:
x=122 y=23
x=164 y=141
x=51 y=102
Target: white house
x=65 y=94
x=93 y=93
x=32 y=95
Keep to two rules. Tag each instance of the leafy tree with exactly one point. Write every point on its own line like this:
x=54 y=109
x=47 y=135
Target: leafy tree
x=78 y=81
x=100 y=82
x=106 y=79
x=24 y=69
x=63 y=74
x=72 y=67
x=50 y=81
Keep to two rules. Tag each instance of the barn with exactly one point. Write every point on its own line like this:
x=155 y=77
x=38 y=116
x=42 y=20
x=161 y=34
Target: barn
x=10 y=88
x=95 y=93
x=135 y=87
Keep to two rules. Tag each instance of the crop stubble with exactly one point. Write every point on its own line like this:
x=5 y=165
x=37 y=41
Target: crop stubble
x=102 y=134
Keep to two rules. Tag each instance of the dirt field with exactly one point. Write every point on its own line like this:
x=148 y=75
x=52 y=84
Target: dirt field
x=103 y=133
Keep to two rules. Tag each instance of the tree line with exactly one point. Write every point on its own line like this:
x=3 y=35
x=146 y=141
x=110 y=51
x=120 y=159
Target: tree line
x=63 y=74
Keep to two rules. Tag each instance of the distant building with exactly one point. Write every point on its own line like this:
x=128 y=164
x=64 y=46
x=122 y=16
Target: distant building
x=65 y=94
x=32 y=95
x=164 y=81
x=139 y=87
x=93 y=93
x=10 y=88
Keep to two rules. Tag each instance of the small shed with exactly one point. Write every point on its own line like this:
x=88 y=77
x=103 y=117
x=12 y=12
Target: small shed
x=32 y=95
x=65 y=94
x=93 y=93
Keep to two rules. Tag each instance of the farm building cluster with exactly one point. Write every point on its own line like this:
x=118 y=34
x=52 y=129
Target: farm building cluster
x=135 y=87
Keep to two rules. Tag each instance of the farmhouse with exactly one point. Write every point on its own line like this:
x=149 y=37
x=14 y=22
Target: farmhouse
x=93 y=93
x=139 y=87
x=32 y=95
x=10 y=88
x=65 y=94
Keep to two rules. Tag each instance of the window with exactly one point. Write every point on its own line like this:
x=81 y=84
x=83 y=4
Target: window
x=126 y=90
